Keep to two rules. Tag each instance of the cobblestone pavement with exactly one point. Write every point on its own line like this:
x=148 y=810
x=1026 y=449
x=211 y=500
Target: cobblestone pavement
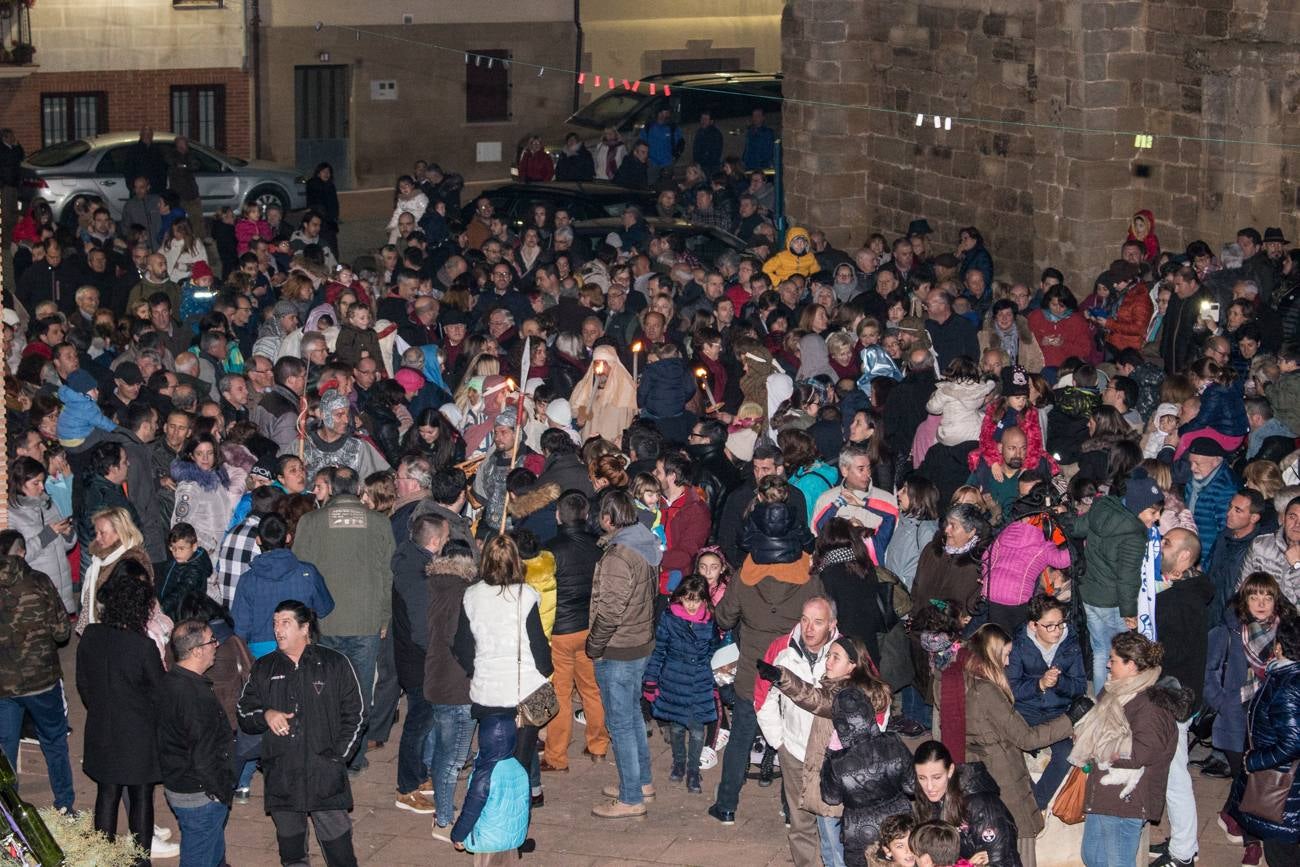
x=676 y=831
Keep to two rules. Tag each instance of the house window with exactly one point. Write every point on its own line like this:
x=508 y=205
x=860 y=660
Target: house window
x=199 y=113
x=487 y=87
x=67 y=116
x=198 y=4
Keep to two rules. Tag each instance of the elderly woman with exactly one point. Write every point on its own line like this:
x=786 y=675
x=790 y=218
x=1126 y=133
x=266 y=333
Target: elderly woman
x=949 y=567
x=1007 y=331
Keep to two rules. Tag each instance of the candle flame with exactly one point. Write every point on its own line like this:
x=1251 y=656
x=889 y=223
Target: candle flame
x=701 y=372
x=636 y=347
x=510 y=384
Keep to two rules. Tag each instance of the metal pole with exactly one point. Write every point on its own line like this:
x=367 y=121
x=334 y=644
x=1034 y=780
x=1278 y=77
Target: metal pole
x=778 y=164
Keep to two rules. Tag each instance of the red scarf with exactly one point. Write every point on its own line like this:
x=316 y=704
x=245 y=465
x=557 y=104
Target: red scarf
x=952 y=706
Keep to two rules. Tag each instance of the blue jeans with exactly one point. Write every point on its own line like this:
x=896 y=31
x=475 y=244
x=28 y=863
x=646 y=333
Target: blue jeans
x=828 y=830
x=411 y=767
x=735 y=759
x=447 y=749
x=620 y=692
x=496 y=742
x=1103 y=625
x=49 y=710
x=203 y=834
x=687 y=742
x=1057 y=767
x=1110 y=840
x=248 y=748
x=363 y=652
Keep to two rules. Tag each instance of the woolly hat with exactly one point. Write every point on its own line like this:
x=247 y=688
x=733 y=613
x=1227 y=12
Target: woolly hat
x=82 y=382
x=559 y=412
x=284 y=308
x=199 y=270
x=1141 y=493
x=331 y=401
x=741 y=444
x=1165 y=409
x=410 y=380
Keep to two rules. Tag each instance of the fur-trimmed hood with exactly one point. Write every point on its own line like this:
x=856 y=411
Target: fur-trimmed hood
x=1172 y=696
x=459 y=565
x=208 y=480
x=538 y=498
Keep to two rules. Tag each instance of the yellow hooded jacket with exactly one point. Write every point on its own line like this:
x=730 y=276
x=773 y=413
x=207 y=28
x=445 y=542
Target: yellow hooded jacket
x=787 y=263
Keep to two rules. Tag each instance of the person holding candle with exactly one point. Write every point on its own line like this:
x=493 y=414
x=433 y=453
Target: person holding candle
x=604 y=401
x=664 y=391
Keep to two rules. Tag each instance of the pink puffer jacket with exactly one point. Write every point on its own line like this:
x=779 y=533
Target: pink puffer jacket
x=1014 y=561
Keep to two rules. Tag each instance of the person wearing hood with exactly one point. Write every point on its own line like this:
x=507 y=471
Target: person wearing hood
x=796 y=258
x=1142 y=228
x=666 y=386
x=333 y=445
x=765 y=600
x=274 y=575
x=604 y=401
x=620 y=639
x=814 y=360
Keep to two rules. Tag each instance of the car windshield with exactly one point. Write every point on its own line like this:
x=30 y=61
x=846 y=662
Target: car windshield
x=609 y=110
x=60 y=154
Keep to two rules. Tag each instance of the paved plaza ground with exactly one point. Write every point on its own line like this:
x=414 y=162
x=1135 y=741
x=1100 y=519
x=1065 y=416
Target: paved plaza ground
x=676 y=831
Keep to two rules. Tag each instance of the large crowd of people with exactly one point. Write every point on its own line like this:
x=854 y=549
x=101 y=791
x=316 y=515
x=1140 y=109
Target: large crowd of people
x=934 y=542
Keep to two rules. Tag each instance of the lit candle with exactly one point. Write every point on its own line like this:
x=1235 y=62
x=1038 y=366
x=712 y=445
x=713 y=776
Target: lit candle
x=703 y=375
x=636 y=359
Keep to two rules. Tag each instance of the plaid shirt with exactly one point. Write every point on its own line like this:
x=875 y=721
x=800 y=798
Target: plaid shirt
x=715 y=216
x=237 y=551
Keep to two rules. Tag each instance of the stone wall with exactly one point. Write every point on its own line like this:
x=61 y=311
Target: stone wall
x=1060 y=196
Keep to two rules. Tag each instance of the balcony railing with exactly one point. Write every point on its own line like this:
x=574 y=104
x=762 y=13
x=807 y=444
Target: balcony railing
x=16 y=47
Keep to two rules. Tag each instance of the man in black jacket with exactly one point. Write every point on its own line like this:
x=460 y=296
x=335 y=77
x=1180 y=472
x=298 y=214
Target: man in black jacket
x=951 y=335
x=730 y=534
x=1186 y=324
x=1181 y=623
x=428 y=535
x=305 y=701
x=714 y=471
x=576 y=553
x=194 y=746
x=905 y=405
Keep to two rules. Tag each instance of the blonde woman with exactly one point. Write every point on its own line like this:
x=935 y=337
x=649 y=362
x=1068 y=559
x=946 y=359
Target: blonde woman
x=117 y=538
x=998 y=736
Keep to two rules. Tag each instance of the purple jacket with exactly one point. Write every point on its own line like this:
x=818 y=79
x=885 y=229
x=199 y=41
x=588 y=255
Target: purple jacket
x=1014 y=561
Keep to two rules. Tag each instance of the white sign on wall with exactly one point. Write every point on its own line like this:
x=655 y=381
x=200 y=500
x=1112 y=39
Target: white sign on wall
x=383 y=90
x=488 y=151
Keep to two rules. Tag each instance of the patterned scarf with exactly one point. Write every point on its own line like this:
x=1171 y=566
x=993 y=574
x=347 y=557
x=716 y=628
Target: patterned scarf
x=1010 y=340
x=1104 y=731
x=1257 y=637
x=957 y=550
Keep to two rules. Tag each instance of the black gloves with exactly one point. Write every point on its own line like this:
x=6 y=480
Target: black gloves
x=767 y=671
x=1078 y=708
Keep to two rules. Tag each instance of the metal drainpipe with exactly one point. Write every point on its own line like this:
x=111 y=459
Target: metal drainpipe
x=255 y=42
x=577 y=50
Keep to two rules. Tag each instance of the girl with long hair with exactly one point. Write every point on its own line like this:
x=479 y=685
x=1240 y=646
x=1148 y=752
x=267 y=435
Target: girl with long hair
x=965 y=797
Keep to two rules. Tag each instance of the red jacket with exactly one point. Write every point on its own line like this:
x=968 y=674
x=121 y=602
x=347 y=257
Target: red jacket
x=1060 y=340
x=1128 y=327
x=687 y=522
x=536 y=166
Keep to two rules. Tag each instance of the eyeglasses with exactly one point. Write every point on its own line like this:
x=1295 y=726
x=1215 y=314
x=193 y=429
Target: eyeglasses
x=206 y=643
x=1052 y=627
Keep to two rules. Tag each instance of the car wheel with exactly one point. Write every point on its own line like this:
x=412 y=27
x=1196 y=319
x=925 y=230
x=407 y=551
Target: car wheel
x=267 y=196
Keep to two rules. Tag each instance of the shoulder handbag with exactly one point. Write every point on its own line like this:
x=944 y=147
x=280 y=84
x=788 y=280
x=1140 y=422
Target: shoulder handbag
x=895 y=663
x=1068 y=803
x=1267 y=790
x=542 y=704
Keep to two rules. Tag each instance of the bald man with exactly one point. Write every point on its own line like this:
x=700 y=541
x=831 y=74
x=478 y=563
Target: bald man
x=1182 y=601
x=1000 y=482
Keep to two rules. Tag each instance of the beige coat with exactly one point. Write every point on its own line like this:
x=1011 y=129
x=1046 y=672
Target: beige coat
x=1030 y=354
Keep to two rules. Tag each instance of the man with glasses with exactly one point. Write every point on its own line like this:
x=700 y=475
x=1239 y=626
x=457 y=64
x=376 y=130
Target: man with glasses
x=1046 y=674
x=479 y=228
x=503 y=294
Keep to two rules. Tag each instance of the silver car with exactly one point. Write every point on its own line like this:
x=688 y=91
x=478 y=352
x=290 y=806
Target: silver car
x=63 y=173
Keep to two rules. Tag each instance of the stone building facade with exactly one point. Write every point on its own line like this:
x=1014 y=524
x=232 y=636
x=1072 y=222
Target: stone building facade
x=1040 y=76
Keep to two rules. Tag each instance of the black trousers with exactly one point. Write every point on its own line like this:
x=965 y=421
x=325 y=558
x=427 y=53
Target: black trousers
x=139 y=811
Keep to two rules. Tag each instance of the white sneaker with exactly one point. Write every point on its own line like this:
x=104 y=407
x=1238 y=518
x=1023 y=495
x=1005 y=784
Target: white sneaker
x=708 y=758
x=161 y=833
x=724 y=735
x=162 y=849
x=580 y=717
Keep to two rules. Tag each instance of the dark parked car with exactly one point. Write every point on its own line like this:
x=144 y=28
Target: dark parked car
x=703 y=242
x=584 y=200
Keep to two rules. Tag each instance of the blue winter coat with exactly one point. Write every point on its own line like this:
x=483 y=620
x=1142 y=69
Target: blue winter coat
x=1275 y=743
x=680 y=667
x=665 y=388
x=1211 y=507
x=503 y=823
x=1225 y=673
x=1027 y=666
x=273 y=577
x=1221 y=409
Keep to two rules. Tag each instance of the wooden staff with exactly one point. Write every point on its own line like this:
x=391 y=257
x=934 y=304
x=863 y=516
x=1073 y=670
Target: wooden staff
x=514 y=450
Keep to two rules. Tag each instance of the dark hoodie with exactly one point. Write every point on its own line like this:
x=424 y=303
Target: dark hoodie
x=775 y=533
x=871 y=776
x=665 y=388
x=179 y=581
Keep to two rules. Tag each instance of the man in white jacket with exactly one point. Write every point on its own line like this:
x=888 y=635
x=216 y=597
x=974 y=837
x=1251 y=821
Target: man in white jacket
x=786 y=727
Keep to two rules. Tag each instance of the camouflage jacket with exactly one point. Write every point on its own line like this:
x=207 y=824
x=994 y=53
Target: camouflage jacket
x=33 y=623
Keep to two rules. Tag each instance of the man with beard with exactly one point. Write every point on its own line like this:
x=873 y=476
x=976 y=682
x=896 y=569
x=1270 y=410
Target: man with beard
x=333 y=445
x=1000 y=482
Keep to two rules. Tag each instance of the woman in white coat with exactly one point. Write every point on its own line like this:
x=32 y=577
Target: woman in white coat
x=48 y=533
x=207 y=489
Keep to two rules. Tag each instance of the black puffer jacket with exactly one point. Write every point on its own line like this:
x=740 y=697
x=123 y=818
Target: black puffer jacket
x=306 y=770
x=715 y=474
x=776 y=533
x=989 y=826
x=871 y=777
x=576 y=554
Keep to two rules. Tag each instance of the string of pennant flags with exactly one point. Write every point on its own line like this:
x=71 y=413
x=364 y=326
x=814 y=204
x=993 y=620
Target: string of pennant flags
x=1141 y=139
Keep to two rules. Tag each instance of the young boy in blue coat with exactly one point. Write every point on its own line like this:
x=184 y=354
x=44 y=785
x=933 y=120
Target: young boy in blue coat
x=1046 y=674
